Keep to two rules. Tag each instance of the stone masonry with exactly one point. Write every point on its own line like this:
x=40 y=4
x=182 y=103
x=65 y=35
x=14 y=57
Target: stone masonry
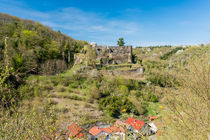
x=110 y=55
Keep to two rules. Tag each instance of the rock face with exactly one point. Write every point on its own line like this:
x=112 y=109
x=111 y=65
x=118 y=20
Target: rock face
x=109 y=55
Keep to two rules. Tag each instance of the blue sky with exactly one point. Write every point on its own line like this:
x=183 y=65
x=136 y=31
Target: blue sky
x=139 y=22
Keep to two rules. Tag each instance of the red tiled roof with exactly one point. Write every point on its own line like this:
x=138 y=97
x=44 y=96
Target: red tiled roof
x=122 y=125
x=107 y=130
x=136 y=124
x=95 y=131
x=74 y=130
x=115 y=129
x=122 y=129
x=80 y=135
x=112 y=129
x=152 y=118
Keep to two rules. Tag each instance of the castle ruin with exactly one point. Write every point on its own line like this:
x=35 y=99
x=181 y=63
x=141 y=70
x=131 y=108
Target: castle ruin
x=106 y=55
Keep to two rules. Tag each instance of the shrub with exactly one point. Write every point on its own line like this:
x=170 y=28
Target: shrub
x=27 y=124
x=123 y=90
x=26 y=92
x=94 y=92
x=167 y=55
x=115 y=105
x=153 y=98
x=61 y=88
x=163 y=79
x=189 y=104
x=139 y=104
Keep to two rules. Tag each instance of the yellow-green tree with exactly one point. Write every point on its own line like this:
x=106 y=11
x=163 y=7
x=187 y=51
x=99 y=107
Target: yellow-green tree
x=6 y=91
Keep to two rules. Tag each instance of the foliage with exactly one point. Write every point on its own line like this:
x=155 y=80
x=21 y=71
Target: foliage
x=167 y=55
x=32 y=45
x=120 y=42
x=16 y=124
x=7 y=96
x=163 y=79
x=30 y=123
x=115 y=105
x=189 y=104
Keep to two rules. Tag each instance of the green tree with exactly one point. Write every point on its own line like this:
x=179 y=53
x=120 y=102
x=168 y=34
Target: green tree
x=120 y=42
x=7 y=95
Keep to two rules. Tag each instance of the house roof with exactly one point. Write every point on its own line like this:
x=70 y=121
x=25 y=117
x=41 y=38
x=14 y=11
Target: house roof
x=136 y=124
x=107 y=130
x=152 y=118
x=112 y=129
x=95 y=130
x=80 y=135
x=74 y=130
x=122 y=125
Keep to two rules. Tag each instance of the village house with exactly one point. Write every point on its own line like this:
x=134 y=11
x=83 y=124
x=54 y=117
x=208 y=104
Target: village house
x=120 y=130
x=74 y=131
x=153 y=128
x=114 y=133
x=151 y=118
x=96 y=132
x=124 y=127
x=141 y=127
x=136 y=124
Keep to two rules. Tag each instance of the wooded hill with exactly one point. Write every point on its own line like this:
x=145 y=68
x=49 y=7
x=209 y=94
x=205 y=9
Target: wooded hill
x=35 y=48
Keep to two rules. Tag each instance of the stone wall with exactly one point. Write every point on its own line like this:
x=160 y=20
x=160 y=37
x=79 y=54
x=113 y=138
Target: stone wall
x=114 y=54
x=108 y=55
x=135 y=73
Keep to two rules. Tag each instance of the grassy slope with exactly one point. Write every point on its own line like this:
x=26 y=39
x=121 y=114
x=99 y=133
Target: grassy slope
x=70 y=103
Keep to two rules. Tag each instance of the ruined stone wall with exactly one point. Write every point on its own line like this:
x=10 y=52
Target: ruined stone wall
x=109 y=55
x=114 y=54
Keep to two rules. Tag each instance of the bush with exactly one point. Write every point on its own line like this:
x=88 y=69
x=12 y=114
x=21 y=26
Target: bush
x=163 y=79
x=115 y=106
x=153 y=98
x=123 y=90
x=26 y=92
x=139 y=104
x=94 y=92
x=27 y=124
x=189 y=103
x=61 y=88
x=167 y=55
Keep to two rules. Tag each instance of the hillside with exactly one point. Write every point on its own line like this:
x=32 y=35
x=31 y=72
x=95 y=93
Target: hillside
x=29 y=48
x=43 y=89
x=34 y=48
